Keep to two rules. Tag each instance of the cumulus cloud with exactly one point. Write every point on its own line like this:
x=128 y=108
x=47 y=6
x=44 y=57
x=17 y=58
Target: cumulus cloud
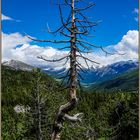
x=16 y=46
x=129 y=42
x=127 y=46
x=10 y=42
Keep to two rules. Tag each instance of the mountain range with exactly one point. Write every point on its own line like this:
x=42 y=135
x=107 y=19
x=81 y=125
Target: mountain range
x=90 y=77
x=99 y=74
x=108 y=72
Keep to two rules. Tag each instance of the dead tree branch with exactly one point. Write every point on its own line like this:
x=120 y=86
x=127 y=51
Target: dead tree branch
x=56 y=60
x=76 y=117
x=82 y=9
x=51 y=41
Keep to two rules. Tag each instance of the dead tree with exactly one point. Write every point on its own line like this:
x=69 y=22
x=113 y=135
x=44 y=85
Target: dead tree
x=74 y=28
x=37 y=103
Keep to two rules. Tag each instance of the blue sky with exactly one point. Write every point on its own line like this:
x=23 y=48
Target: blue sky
x=32 y=16
x=117 y=18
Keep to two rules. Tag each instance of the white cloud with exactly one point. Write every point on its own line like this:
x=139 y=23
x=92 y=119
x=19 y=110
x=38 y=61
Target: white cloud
x=127 y=46
x=136 y=12
x=136 y=19
x=16 y=46
x=10 y=42
x=28 y=53
x=129 y=42
x=6 y=17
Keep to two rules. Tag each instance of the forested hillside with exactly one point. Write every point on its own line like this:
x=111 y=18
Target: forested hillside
x=106 y=116
x=127 y=82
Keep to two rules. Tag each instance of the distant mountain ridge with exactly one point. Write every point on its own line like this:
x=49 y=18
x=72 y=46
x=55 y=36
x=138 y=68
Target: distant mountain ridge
x=96 y=75
x=109 y=71
x=92 y=76
x=18 y=65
